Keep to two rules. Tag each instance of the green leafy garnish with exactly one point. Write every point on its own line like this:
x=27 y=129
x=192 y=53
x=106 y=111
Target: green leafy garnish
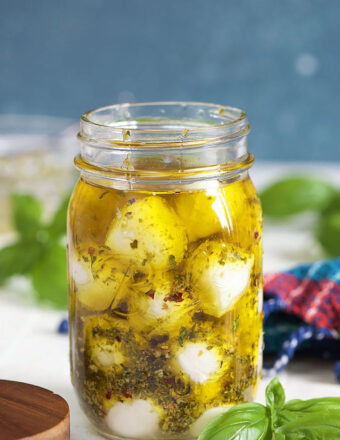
x=323 y=425
x=294 y=195
x=38 y=253
x=314 y=419
x=248 y=421
x=18 y=259
x=57 y=227
x=26 y=215
x=49 y=277
x=275 y=399
x=328 y=232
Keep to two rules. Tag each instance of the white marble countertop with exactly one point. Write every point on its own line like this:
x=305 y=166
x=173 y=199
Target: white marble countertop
x=32 y=351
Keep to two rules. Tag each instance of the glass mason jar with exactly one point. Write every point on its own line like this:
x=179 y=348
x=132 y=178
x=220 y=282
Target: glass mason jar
x=165 y=268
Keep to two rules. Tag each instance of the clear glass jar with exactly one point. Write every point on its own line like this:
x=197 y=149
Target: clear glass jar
x=35 y=153
x=165 y=268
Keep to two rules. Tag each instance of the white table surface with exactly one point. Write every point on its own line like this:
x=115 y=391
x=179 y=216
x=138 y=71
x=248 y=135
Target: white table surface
x=32 y=351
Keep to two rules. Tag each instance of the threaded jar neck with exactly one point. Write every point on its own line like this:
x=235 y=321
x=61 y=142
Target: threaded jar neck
x=164 y=141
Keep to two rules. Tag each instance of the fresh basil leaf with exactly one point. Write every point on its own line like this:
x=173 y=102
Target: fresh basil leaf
x=334 y=203
x=19 y=258
x=275 y=395
x=296 y=194
x=57 y=227
x=295 y=409
x=49 y=277
x=26 y=215
x=323 y=425
x=248 y=421
x=328 y=233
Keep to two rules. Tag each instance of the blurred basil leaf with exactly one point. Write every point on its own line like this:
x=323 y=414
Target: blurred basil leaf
x=57 y=226
x=26 y=215
x=328 y=232
x=49 y=277
x=334 y=204
x=19 y=258
x=296 y=194
x=248 y=421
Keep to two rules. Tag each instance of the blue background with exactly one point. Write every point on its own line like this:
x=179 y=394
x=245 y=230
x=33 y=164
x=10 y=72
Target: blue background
x=277 y=59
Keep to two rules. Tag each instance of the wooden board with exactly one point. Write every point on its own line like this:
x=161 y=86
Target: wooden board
x=30 y=412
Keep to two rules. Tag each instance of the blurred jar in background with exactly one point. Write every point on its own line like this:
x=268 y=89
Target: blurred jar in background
x=35 y=158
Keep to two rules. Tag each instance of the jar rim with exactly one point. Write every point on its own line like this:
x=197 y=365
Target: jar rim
x=159 y=123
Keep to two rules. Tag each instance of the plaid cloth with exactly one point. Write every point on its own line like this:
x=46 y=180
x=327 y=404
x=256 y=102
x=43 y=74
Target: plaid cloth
x=310 y=292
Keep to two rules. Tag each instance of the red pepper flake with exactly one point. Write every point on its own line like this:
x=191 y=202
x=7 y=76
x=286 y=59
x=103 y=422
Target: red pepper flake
x=127 y=395
x=102 y=413
x=108 y=395
x=151 y=293
x=256 y=234
x=169 y=381
x=91 y=250
x=118 y=339
x=175 y=297
x=173 y=405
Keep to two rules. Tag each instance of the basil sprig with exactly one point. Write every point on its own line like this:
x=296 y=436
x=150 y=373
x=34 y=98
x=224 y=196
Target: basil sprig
x=39 y=252
x=314 y=419
x=296 y=194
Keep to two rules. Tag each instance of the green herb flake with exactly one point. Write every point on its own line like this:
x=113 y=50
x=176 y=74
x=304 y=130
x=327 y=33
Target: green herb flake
x=126 y=134
x=172 y=261
x=186 y=334
x=236 y=324
x=103 y=194
x=134 y=244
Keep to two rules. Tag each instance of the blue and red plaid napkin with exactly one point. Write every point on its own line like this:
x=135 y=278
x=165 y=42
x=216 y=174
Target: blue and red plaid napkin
x=311 y=293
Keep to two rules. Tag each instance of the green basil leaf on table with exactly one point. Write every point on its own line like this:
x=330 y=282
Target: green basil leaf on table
x=26 y=215
x=49 y=277
x=275 y=395
x=57 y=226
x=294 y=195
x=295 y=409
x=328 y=232
x=275 y=399
x=334 y=204
x=248 y=421
x=19 y=258
x=323 y=425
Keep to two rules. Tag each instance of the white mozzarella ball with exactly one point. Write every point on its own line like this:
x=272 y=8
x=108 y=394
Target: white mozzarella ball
x=137 y=419
x=98 y=283
x=106 y=355
x=148 y=231
x=220 y=273
x=197 y=362
x=157 y=306
x=198 y=426
x=80 y=272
